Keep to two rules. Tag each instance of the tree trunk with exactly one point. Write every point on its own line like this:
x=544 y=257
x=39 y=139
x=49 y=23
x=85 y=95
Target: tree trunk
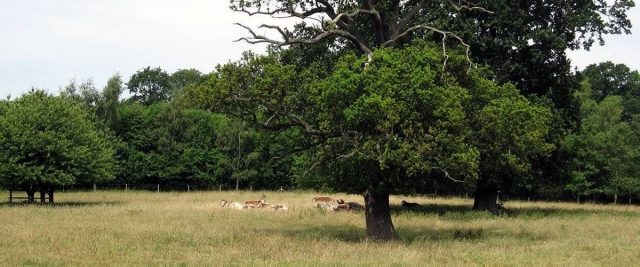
x=31 y=195
x=237 y=184
x=615 y=198
x=42 y=196
x=486 y=198
x=50 y=193
x=378 y=217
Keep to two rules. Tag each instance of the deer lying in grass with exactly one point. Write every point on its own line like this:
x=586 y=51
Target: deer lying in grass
x=233 y=205
x=256 y=203
x=252 y=204
x=351 y=205
x=328 y=204
x=410 y=205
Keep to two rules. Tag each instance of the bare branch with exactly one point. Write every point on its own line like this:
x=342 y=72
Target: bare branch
x=256 y=38
x=446 y=174
x=469 y=6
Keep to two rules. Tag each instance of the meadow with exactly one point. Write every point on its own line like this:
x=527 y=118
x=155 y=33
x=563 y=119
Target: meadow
x=141 y=228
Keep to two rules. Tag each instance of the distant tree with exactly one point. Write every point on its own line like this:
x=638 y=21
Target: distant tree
x=185 y=77
x=110 y=100
x=606 y=149
x=202 y=161
x=163 y=143
x=608 y=79
x=84 y=92
x=47 y=142
x=510 y=132
x=150 y=86
x=238 y=142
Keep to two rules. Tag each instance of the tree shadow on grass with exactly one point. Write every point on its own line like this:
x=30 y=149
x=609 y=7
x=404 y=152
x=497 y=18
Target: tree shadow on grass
x=408 y=234
x=342 y=233
x=464 y=234
x=63 y=204
x=465 y=212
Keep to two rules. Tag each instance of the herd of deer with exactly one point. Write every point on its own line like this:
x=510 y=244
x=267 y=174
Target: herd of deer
x=321 y=202
x=252 y=204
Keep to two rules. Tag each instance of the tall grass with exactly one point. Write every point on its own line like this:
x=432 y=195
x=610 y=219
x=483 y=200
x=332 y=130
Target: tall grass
x=91 y=228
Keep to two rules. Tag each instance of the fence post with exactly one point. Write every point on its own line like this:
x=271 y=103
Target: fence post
x=94 y=187
x=10 y=196
x=158 y=188
x=188 y=188
x=126 y=187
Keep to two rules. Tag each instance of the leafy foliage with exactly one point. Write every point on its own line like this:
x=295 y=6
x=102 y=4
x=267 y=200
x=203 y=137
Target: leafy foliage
x=607 y=79
x=606 y=149
x=150 y=86
x=51 y=141
x=395 y=125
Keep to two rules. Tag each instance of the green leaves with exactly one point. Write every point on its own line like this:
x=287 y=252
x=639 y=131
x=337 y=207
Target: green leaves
x=399 y=123
x=605 y=148
x=50 y=140
x=149 y=86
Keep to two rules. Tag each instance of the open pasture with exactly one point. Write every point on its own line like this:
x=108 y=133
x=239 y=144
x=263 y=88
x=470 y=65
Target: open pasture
x=117 y=227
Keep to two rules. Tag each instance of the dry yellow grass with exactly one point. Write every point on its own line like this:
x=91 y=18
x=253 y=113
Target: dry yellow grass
x=141 y=228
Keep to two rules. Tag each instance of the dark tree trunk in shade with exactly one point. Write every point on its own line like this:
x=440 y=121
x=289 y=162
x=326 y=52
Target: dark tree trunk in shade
x=378 y=217
x=50 y=193
x=486 y=198
x=31 y=196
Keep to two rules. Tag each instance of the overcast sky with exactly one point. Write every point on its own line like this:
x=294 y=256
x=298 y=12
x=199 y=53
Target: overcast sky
x=46 y=43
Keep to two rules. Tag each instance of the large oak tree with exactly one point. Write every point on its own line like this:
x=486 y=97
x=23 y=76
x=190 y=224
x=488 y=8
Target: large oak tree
x=524 y=42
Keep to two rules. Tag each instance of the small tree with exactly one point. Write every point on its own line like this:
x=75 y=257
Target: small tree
x=185 y=77
x=110 y=100
x=48 y=141
x=238 y=142
x=150 y=86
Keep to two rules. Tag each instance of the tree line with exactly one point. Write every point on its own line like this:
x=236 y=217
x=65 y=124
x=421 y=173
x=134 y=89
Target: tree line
x=153 y=137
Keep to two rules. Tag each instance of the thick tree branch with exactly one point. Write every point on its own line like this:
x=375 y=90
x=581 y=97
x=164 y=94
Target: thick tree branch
x=256 y=38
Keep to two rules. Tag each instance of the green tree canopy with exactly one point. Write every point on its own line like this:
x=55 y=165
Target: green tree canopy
x=606 y=149
x=48 y=141
x=185 y=77
x=608 y=79
x=150 y=86
x=110 y=100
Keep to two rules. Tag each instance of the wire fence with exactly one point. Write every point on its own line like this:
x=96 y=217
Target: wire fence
x=168 y=187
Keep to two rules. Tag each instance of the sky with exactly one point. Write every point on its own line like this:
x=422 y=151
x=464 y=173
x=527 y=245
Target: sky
x=46 y=43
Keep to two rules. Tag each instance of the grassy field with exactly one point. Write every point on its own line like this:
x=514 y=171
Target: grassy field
x=191 y=228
